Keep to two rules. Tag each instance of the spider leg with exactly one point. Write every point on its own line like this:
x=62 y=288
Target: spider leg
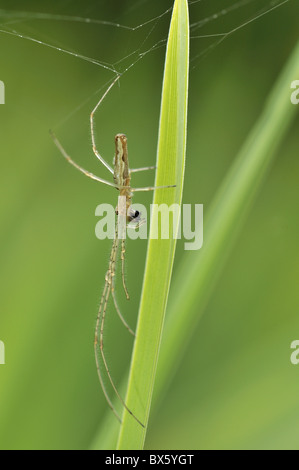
x=94 y=147
x=78 y=167
x=135 y=170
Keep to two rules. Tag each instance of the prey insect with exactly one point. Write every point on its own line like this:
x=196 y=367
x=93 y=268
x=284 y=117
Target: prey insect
x=122 y=182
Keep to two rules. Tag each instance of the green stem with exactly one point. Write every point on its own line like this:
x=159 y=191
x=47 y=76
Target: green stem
x=160 y=255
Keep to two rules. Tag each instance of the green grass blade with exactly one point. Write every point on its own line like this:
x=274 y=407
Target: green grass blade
x=198 y=273
x=160 y=256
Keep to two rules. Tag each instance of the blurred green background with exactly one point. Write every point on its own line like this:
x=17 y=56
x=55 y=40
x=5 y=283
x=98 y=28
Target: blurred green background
x=235 y=387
